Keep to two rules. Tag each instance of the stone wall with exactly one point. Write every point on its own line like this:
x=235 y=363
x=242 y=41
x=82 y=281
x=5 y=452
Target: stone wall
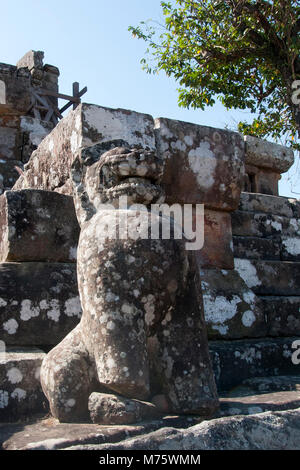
x=20 y=130
x=39 y=301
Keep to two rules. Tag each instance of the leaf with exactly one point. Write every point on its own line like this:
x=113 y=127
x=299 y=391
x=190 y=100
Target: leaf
x=245 y=57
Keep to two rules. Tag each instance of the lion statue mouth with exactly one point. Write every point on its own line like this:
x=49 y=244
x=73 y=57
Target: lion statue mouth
x=105 y=172
x=135 y=173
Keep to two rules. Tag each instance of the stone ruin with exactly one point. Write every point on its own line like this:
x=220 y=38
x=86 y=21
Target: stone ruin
x=23 y=125
x=208 y=334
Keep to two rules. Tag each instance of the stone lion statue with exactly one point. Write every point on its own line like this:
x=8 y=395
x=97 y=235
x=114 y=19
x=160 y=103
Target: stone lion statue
x=140 y=348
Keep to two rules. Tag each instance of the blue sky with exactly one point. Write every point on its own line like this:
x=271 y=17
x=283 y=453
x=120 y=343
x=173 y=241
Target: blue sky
x=90 y=43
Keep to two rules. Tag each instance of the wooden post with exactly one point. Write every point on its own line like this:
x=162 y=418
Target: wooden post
x=75 y=93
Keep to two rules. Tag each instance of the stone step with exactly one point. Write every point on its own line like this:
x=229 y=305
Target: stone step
x=49 y=434
x=231 y=309
x=258 y=224
x=283 y=248
x=254 y=404
x=37 y=225
x=290 y=248
x=256 y=248
x=276 y=205
x=39 y=303
x=238 y=360
x=282 y=315
x=21 y=395
x=280 y=383
x=270 y=277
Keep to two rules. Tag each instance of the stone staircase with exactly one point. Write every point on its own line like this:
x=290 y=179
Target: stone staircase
x=252 y=312
x=266 y=240
x=39 y=301
x=266 y=237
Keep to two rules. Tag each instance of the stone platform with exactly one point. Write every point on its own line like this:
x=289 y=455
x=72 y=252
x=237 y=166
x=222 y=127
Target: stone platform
x=271 y=430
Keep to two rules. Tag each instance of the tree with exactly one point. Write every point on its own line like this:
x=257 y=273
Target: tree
x=243 y=52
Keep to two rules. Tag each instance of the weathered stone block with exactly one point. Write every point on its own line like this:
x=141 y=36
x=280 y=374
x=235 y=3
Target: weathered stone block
x=231 y=309
x=275 y=205
x=256 y=248
x=217 y=250
x=37 y=226
x=113 y=409
x=235 y=361
x=9 y=145
x=253 y=404
x=49 y=166
x=202 y=164
x=264 y=431
x=48 y=434
x=267 y=182
x=270 y=277
x=278 y=383
x=39 y=302
x=8 y=173
x=282 y=315
x=33 y=131
x=32 y=59
x=266 y=154
x=21 y=394
x=290 y=248
x=16 y=96
x=250 y=224
x=261 y=180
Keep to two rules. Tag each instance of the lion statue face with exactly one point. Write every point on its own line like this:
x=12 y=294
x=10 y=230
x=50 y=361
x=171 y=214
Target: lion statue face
x=102 y=177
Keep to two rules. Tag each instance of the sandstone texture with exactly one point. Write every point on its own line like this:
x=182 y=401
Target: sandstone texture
x=37 y=226
x=39 y=302
x=49 y=167
x=198 y=165
x=112 y=409
x=261 y=180
x=279 y=383
x=238 y=360
x=256 y=248
x=217 y=249
x=266 y=154
x=264 y=162
x=142 y=332
x=282 y=315
x=22 y=126
x=272 y=430
x=231 y=309
x=253 y=404
x=275 y=205
x=21 y=395
x=270 y=277
x=266 y=431
x=49 y=434
x=202 y=164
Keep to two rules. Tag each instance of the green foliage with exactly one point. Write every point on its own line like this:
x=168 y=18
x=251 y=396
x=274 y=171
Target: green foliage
x=244 y=53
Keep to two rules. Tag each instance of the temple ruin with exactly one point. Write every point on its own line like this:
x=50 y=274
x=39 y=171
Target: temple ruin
x=247 y=272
